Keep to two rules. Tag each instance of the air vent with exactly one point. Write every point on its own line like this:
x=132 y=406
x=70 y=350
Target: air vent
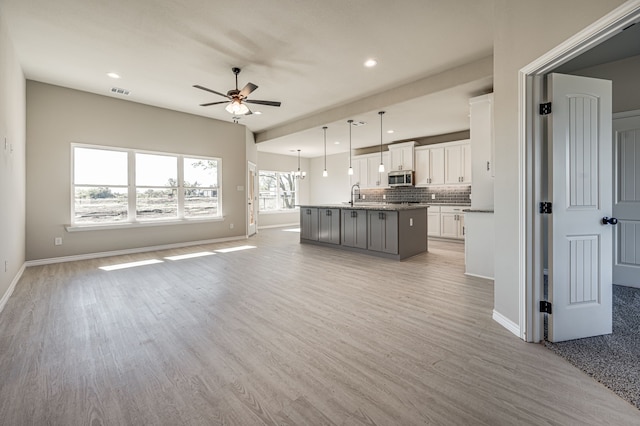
x=119 y=91
x=358 y=123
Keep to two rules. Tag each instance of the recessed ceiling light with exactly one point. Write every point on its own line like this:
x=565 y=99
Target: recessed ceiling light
x=113 y=75
x=336 y=143
x=390 y=131
x=369 y=63
x=257 y=112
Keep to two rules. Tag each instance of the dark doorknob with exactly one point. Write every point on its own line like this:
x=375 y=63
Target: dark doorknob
x=609 y=220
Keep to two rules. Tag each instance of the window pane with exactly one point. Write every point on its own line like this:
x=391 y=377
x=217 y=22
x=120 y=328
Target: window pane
x=100 y=204
x=268 y=191
x=99 y=167
x=153 y=203
x=287 y=191
x=287 y=200
x=156 y=170
x=200 y=202
x=200 y=173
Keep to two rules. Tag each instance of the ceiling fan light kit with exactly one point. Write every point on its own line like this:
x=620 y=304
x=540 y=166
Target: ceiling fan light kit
x=237 y=98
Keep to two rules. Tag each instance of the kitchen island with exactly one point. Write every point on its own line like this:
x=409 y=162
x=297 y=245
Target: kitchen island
x=394 y=231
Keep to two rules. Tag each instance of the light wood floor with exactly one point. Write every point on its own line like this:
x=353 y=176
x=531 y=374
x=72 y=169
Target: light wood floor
x=282 y=333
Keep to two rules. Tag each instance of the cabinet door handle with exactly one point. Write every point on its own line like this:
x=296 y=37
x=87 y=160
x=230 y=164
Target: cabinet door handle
x=488 y=168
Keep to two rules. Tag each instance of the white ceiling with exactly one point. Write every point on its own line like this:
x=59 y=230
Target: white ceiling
x=307 y=54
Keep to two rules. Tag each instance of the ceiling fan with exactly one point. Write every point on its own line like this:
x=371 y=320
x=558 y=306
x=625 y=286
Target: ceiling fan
x=237 y=97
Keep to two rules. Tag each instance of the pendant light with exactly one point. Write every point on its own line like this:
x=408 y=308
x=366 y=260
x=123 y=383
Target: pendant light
x=324 y=173
x=350 y=168
x=298 y=174
x=381 y=167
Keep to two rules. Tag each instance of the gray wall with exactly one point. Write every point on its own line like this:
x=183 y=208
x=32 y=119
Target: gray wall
x=12 y=163
x=335 y=187
x=524 y=30
x=624 y=74
x=56 y=117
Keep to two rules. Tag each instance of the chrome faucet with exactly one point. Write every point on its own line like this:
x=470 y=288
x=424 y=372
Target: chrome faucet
x=352 y=192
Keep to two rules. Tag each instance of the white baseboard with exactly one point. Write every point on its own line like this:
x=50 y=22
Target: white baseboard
x=506 y=323
x=479 y=276
x=128 y=251
x=12 y=286
x=280 y=226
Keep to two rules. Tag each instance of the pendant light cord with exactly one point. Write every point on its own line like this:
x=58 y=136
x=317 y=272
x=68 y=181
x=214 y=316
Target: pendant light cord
x=381 y=162
x=350 y=124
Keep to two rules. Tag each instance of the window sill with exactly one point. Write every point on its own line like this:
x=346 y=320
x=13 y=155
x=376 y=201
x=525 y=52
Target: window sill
x=130 y=225
x=296 y=210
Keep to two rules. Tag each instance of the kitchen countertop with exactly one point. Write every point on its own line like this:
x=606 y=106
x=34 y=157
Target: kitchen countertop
x=367 y=206
x=477 y=211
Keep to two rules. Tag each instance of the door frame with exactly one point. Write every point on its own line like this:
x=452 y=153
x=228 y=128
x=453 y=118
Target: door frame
x=532 y=132
x=254 y=167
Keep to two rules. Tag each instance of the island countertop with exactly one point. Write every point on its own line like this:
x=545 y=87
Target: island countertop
x=368 y=206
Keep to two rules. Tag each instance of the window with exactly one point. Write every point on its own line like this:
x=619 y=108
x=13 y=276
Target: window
x=124 y=186
x=277 y=191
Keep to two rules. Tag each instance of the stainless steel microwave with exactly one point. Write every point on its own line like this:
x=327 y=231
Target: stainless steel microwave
x=401 y=178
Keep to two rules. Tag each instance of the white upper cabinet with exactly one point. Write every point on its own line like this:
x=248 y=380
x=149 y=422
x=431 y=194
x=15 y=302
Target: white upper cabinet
x=402 y=156
x=429 y=165
x=365 y=170
x=458 y=163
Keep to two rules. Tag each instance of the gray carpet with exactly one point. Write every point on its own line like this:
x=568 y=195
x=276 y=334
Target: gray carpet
x=613 y=360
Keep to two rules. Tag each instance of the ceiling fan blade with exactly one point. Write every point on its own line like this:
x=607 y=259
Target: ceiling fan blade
x=214 y=103
x=197 y=86
x=268 y=103
x=246 y=90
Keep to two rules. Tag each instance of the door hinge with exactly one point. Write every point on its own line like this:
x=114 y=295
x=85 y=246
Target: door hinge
x=545 y=207
x=545 y=109
x=545 y=307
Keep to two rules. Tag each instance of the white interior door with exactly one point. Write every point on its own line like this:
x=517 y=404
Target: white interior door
x=252 y=198
x=626 y=207
x=580 y=250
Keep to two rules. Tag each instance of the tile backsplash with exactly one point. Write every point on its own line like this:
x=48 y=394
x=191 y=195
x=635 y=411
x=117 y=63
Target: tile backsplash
x=449 y=195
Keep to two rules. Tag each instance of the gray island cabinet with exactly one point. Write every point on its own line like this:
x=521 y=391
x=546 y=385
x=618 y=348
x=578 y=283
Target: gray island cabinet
x=385 y=230
x=354 y=228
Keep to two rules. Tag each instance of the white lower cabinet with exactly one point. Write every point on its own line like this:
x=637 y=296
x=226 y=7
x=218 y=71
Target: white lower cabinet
x=433 y=221
x=446 y=221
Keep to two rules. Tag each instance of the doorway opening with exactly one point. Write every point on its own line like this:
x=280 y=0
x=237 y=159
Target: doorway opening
x=533 y=154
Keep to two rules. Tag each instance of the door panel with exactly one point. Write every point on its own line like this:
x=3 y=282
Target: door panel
x=580 y=253
x=626 y=208
x=437 y=165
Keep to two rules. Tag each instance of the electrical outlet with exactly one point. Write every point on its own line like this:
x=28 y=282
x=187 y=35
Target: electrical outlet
x=364 y=196
x=6 y=265
x=57 y=241
x=384 y=196
x=231 y=226
x=433 y=196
